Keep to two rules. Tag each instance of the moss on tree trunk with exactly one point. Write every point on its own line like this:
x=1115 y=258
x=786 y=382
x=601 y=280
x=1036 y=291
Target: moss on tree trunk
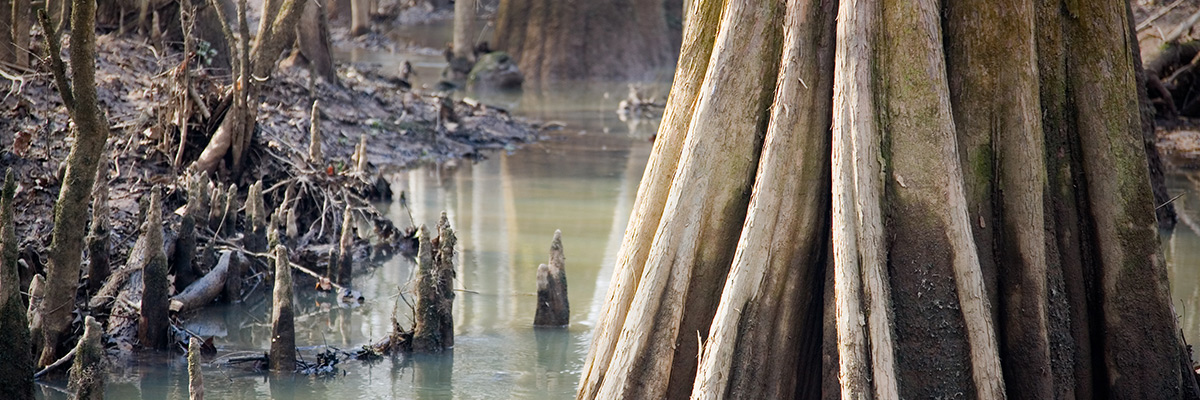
x=91 y=132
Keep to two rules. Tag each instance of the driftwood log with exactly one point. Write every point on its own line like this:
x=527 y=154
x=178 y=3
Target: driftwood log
x=206 y=289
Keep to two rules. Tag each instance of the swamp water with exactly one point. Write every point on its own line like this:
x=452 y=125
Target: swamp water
x=581 y=179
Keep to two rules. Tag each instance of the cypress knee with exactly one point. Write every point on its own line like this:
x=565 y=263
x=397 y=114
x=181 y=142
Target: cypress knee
x=553 y=309
x=283 y=326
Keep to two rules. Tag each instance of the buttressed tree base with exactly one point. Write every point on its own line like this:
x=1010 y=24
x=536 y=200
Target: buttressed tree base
x=895 y=199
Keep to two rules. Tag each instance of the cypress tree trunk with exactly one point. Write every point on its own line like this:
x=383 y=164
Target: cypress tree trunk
x=990 y=208
x=91 y=131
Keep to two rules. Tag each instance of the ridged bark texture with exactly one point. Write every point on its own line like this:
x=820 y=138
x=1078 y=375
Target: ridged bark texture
x=992 y=221
x=774 y=280
x=699 y=36
x=995 y=99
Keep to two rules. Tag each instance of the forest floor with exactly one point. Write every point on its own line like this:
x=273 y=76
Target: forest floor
x=401 y=128
x=1162 y=27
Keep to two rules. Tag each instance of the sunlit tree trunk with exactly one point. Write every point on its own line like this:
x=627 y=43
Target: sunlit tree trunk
x=360 y=17
x=989 y=208
x=555 y=40
x=91 y=132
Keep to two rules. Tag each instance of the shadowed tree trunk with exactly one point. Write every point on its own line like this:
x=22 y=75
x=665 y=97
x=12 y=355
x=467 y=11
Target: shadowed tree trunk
x=989 y=208
x=16 y=360
x=91 y=131
x=7 y=49
x=555 y=40
x=312 y=39
x=22 y=21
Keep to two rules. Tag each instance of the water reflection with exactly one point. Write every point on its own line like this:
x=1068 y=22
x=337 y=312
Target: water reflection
x=1182 y=251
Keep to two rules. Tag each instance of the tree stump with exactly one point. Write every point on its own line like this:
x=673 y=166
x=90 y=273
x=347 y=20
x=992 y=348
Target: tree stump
x=553 y=309
x=283 y=326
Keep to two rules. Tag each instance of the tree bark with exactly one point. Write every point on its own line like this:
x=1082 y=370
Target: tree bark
x=699 y=37
x=971 y=185
x=994 y=95
x=91 y=132
x=694 y=244
x=772 y=280
x=1138 y=336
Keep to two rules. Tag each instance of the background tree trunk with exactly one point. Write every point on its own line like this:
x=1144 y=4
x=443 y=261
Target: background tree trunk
x=463 y=48
x=314 y=43
x=7 y=49
x=360 y=17
x=556 y=40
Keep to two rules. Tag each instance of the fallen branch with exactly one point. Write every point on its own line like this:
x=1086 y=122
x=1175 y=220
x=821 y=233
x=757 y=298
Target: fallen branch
x=66 y=359
x=204 y=290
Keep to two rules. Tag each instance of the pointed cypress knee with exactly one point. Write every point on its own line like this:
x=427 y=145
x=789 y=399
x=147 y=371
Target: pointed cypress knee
x=229 y=214
x=152 y=326
x=97 y=239
x=553 y=309
x=184 y=258
x=87 y=372
x=283 y=327
x=315 y=156
x=195 y=377
x=256 y=220
x=345 y=259
x=16 y=356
